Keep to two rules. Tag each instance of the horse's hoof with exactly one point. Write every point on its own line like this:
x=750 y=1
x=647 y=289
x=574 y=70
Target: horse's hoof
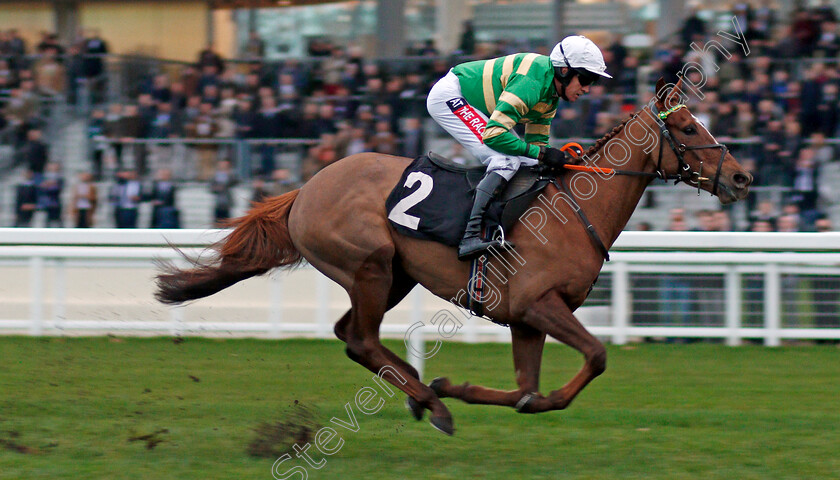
x=415 y=408
x=443 y=424
x=437 y=386
x=526 y=403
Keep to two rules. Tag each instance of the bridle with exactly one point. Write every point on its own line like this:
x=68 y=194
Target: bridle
x=684 y=171
x=686 y=174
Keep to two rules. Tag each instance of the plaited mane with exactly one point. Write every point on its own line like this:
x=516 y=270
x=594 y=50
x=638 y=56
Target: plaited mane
x=603 y=140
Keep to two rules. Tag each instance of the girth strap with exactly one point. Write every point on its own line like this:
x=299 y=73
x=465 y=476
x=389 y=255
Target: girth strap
x=590 y=229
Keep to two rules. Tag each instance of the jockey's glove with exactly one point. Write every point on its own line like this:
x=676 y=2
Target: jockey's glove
x=554 y=157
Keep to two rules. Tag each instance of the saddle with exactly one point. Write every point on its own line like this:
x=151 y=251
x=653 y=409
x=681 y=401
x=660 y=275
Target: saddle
x=433 y=198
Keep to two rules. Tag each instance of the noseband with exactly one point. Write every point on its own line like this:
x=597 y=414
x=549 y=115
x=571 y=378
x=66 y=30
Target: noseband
x=685 y=173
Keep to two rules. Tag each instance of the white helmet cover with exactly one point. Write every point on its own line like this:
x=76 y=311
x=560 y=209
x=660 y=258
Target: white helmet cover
x=577 y=51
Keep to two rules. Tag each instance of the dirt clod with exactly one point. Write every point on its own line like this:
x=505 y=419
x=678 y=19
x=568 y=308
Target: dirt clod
x=11 y=443
x=152 y=439
x=273 y=439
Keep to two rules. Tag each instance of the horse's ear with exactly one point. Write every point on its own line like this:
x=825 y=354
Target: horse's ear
x=660 y=92
x=678 y=85
x=675 y=92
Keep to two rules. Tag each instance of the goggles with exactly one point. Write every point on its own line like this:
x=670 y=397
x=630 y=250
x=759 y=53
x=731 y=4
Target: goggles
x=585 y=77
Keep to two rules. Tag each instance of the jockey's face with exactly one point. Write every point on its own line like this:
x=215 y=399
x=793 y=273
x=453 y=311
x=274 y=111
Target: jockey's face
x=574 y=90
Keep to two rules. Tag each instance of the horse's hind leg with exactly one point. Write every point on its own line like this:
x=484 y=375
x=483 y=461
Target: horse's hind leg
x=369 y=297
x=401 y=286
x=527 y=344
x=551 y=315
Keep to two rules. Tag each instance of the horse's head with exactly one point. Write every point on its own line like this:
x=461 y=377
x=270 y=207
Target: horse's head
x=688 y=152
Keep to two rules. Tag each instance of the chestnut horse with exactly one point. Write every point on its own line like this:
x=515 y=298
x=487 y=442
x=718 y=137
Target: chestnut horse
x=338 y=223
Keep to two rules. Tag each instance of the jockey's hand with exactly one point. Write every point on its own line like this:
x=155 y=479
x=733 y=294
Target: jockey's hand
x=554 y=157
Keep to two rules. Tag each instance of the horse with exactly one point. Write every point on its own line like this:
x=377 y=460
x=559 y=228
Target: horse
x=338 y=223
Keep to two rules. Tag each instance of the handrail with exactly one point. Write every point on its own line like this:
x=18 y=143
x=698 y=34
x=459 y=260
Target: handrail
x=755 y=140
x=642 y=261
x=630 y=241
x=207 y=141
x=109 y=237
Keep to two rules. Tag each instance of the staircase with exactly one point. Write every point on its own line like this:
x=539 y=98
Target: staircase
x=7 y=198
x=66 y=138
x=195 y=203
x=828 y=184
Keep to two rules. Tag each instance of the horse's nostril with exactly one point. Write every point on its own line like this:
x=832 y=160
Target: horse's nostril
x=741 y=180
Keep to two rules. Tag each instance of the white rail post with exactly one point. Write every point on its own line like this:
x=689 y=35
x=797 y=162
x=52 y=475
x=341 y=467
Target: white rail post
x=176 y=316
x=36 y=286
x=322 y=288
x=59 y=312
x=416 y=340
x=772 y=305
x=176 y=313
x=275 y=314
x=471 y=329
x=733 y=306
x=620 y=303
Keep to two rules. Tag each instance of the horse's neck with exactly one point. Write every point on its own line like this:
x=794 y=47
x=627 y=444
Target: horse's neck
x=616 y=198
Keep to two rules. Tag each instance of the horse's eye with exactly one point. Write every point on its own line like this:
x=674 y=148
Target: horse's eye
x=690 y=130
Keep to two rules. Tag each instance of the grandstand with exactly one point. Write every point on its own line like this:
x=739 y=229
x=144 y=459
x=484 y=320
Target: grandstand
x=97 y=100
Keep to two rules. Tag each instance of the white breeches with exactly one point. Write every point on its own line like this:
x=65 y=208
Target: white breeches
x=446 y=104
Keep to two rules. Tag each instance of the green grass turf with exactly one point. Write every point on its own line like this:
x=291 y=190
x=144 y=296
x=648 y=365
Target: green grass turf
x=659 y=411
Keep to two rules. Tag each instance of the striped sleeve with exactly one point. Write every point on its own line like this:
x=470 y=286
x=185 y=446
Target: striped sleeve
x=519 y=96
x=537 y=133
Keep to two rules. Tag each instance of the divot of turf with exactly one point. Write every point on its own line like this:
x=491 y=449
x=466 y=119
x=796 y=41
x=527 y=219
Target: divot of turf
x=11 y=443
x=274 y=439
x=152 y=439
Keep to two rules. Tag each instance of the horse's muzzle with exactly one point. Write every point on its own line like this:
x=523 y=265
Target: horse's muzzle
x=735 y=188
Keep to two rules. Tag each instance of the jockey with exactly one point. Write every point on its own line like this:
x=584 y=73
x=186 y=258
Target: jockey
x=479 y=102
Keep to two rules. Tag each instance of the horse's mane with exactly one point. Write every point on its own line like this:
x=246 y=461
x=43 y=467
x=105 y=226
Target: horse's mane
x=606 y=138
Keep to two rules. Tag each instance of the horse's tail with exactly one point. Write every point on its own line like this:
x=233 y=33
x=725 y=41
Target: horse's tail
x=259 y=242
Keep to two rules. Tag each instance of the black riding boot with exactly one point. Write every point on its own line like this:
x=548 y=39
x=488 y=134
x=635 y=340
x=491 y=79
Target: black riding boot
x=472 y=244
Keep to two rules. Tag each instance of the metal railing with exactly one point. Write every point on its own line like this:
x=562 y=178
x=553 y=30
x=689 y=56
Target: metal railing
x=731 y=286
x=244 y=153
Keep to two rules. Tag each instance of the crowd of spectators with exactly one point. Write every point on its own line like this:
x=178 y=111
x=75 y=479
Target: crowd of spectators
x=31 y=77
x=765 y=218
x=340 y=103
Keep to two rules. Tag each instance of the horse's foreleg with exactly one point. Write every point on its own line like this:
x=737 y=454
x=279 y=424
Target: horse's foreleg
x=551 y=315
x=369 y=297
x=527 y=344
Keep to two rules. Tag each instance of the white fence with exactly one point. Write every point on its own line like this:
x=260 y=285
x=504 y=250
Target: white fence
x=769 y=287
